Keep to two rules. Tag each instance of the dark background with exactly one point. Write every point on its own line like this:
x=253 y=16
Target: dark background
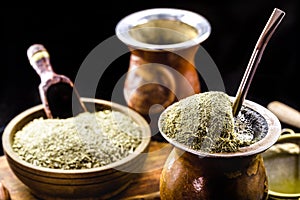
x=70 y=34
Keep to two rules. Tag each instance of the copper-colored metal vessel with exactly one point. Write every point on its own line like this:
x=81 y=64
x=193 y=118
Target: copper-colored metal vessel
x=191 y=174
x=163 y=43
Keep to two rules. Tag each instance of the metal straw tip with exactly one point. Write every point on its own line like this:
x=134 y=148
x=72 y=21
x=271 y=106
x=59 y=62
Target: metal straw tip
x=278 y=10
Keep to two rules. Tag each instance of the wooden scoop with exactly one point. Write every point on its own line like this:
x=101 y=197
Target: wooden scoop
x=58 y=94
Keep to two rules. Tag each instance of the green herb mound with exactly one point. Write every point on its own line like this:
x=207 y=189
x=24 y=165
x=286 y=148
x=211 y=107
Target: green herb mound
x=203 y=122
x=88 y=140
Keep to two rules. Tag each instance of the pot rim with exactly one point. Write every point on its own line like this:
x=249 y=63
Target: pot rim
x=283 y=195
x=193 y=19
x=274 y=130
x=146 y=138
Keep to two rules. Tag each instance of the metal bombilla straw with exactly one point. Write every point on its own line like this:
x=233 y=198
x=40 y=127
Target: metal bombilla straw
x=264 y=38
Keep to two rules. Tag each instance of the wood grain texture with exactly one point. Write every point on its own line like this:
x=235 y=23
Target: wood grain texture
x=146 y=185
x=285 y=113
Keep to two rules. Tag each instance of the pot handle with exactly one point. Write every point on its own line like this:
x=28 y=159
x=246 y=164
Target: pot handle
x=287 y=131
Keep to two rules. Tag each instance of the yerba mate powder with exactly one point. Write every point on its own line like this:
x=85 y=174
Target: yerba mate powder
x=86 y=141
x=205 y=122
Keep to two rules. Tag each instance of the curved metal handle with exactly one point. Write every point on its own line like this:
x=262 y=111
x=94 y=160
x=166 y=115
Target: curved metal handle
x=287 y=131
x=264 y=38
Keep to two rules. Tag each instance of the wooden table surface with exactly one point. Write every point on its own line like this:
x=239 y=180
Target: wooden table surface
x=146 y=185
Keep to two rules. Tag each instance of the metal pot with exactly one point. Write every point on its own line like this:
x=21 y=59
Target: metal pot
x=282 y=162
x=191 y=174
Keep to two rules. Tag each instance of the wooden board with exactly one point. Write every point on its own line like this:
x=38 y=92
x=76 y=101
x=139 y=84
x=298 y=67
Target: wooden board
x=146 y=185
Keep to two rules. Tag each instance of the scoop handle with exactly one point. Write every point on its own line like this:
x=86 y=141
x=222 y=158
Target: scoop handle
x=285 y=113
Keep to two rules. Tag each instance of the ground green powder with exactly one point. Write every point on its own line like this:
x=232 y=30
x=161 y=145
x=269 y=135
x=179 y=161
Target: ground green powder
x=88 y=140
x=205 y=122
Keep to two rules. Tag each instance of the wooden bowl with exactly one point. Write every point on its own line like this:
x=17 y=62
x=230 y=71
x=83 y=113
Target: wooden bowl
x=95 y=183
